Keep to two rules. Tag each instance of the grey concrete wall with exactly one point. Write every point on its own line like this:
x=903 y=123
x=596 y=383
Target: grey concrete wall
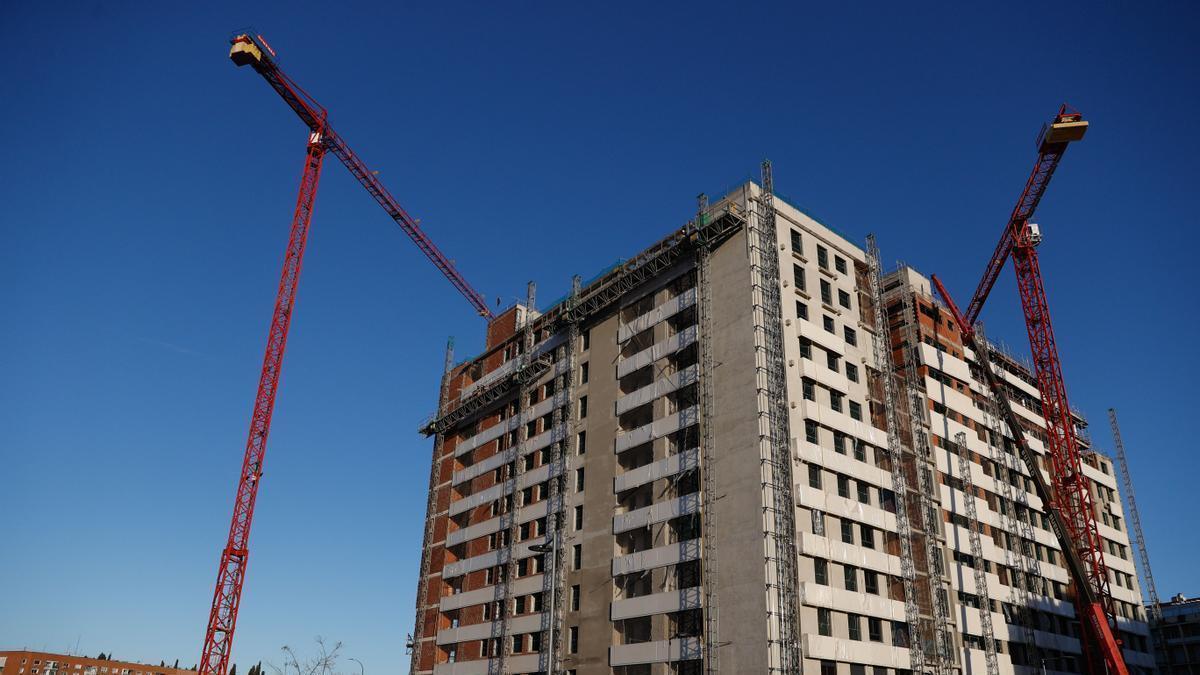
x=594 y=578
x=737 y=510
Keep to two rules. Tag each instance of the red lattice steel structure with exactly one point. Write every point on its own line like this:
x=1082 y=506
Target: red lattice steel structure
x=232 y=573
x=254 y=51
x=1071 y=495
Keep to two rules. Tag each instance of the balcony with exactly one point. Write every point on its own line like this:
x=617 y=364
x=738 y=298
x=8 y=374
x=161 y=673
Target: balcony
x=663 y=468
x=657 y=315
x=657 y=351
x=670 y=554
x=657 y=429
x=657 y=513
x=661 y=651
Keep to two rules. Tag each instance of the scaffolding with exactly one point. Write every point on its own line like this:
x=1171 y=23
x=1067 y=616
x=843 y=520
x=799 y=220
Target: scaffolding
x=510 y=520
x=775 y=452
x=1003 y=464
x=430 y=518
x=1135 y=520
x=561 y=445
x=942 y=641
x=977 y=559
x=887 y=375
x=708 y=556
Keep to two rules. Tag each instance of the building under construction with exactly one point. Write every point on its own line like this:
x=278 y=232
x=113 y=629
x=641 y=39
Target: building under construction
x=749 y=450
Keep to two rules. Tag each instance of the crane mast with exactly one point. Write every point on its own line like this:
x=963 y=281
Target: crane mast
x=1135 y=520
x=1069 y=495
x=231 y=573
x=222 y=618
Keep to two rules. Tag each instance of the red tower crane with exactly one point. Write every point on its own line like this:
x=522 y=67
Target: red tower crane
x=1070 y=498
x=255 y=52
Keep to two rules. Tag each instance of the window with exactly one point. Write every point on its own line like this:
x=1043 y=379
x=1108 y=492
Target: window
x=809 y=389
x=864 y=492
x=828 y=667
x=578 y=517
x=831 y=360
x=852 y=372
x=798 y=277
x=826 y=292
x=824 y=623
x=868 y=536
x=853 y=621
x=587 y=340
x=810 y=431
x=583 y=373
x=579 y=480
x=805 y=348
x=827 y=321
x=839 y=442
x=801 y=310
x=822 y=257
x=821 y=571
x=581 y=443
x=855 y=411
x=850 y=335
x=582 y=407
x=847 y=531
x=577 y=556
x=843 y=298
x=814 y=476
x=871 y=582
x=843 y=484
x=797 y=244
x=860 y=451
x=839 y=264
x=875 y=629
x=575 y=598
x=835 y=400
x=850 y=576
x=573 y=644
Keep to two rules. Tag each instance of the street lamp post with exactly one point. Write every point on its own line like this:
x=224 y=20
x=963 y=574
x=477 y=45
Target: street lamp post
x=361 y=671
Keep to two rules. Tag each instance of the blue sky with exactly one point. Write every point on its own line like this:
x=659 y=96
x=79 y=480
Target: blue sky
x=148 y=186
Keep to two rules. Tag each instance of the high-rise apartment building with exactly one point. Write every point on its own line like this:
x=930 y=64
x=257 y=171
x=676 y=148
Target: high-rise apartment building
x=684 y=466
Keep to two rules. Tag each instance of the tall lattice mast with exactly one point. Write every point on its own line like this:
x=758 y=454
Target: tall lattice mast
x=561 y=445
x=430 y=513
x=1005 y=464
x=891 y=403
x=1135 y=519
x=939 y=599
x=981 y=587
x=775 y=452
x=510 y=522
x=708 y=556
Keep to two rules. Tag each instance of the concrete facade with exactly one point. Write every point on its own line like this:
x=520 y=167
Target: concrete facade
x=662 y=553
x=1180 y=632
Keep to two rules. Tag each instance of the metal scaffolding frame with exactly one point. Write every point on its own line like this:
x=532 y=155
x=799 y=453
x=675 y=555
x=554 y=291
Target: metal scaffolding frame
x=430 y=518
x=775 y=452
x=1016 y=560
x=891 y=403
x=981 y=588
x=930 y=502
x=1135 y=520
x=503 y=593
x=561 y=445
x=708 y=555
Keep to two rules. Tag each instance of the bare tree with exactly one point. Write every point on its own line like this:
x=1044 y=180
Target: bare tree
x=323 y=663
